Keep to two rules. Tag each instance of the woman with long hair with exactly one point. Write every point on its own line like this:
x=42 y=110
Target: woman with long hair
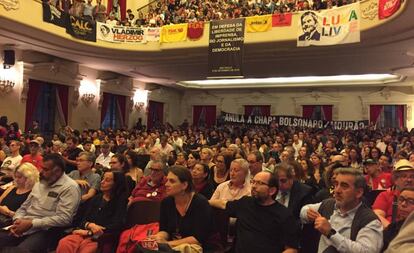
x=221 y=172
x=105 y=213
x=120 y=163
x=193 y=158
x=355 y=158
x=135 y=172
x=202 y=185
x=319 y=170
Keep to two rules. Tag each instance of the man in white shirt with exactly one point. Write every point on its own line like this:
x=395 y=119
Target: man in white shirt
x=297 y=144
x=102 y=161
x=13 y=160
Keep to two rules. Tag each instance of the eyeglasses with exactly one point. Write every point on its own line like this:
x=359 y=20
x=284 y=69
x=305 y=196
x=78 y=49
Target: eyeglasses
x=253 y=182
x=408 y=201
x=155 y=170
x=283 y=180
x=406 y=176
x=219 y=161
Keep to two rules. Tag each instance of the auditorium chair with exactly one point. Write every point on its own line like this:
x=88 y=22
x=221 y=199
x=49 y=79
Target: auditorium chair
x=140 y=212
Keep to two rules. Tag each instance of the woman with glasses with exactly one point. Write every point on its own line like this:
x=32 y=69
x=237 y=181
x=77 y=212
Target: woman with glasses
x=221 y=172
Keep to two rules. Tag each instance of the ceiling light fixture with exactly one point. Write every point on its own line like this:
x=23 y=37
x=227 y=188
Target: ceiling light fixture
x=300 y=81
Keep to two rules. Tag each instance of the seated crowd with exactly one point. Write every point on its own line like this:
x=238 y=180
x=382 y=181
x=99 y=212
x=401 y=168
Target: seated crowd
x=165 y=12
x=281 y=189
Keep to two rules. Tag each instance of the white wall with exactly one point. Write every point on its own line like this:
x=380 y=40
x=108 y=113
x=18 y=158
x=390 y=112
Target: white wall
x=349 y=103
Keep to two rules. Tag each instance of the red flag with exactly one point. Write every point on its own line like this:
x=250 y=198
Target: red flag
x=386 y=8
x=195 y=30
x=282 y=19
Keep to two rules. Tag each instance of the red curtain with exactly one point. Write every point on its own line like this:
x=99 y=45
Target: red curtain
x=155 y=114
x=32 y=96
x=307 y=111
x=204 y=115
x=63 y=93
x=400 y=115
x=105 y=104
x=375 y=112
x=122 y=6
x=121 y=101
x=327 y=111
x=260 y=110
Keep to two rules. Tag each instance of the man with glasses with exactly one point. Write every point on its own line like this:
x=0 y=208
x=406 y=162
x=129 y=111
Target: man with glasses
x=12 y=161
x=344 y=222
x=255 y=160
x=151 y=187
x=385 y=205
x=263 y=224
x=88 y=181
x=292 y=193
x=405 y=208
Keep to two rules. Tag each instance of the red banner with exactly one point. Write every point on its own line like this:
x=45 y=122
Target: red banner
x=195 y=30
x=386 y=8
x=282 y=19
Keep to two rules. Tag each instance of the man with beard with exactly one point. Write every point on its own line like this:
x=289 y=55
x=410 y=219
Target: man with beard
x=309 y=22
x=344 y=222
x=263 y=224
x=51 y=205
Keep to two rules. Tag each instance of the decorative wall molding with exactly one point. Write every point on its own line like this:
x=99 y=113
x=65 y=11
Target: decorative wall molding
x=100 y=101
x=10 y=4
x=317 y=98
x=386 y=96
x=57 y=72
x=27 y=69
x=75 y=97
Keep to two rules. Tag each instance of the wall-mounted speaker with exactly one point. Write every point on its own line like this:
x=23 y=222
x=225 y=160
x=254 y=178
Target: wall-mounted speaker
x=9 y=57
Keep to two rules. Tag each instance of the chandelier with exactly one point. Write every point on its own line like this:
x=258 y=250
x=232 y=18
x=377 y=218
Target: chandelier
x=7 y=80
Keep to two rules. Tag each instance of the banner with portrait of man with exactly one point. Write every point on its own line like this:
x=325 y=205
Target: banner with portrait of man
x=329 y=27
x=120 y=34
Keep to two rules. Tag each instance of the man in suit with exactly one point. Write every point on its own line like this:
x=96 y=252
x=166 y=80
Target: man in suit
x=309 y=22
x=292 y=193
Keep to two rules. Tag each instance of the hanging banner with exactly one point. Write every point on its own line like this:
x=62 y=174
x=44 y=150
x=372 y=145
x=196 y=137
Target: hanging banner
x=120 y=34
x=53 y=15
x=152 y=33
x=225 y=50
x=329 y=27
x=291 y=121
x=195 y=30
x=387 y=8
x=282 y=19
x=258 y=23
x=80 y=28
x=174 y=33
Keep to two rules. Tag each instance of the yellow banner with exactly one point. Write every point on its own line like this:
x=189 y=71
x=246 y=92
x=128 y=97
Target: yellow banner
x=174 y=33
x=258 y=23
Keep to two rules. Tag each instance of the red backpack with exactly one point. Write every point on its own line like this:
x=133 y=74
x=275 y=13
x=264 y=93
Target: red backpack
x=131 y=237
